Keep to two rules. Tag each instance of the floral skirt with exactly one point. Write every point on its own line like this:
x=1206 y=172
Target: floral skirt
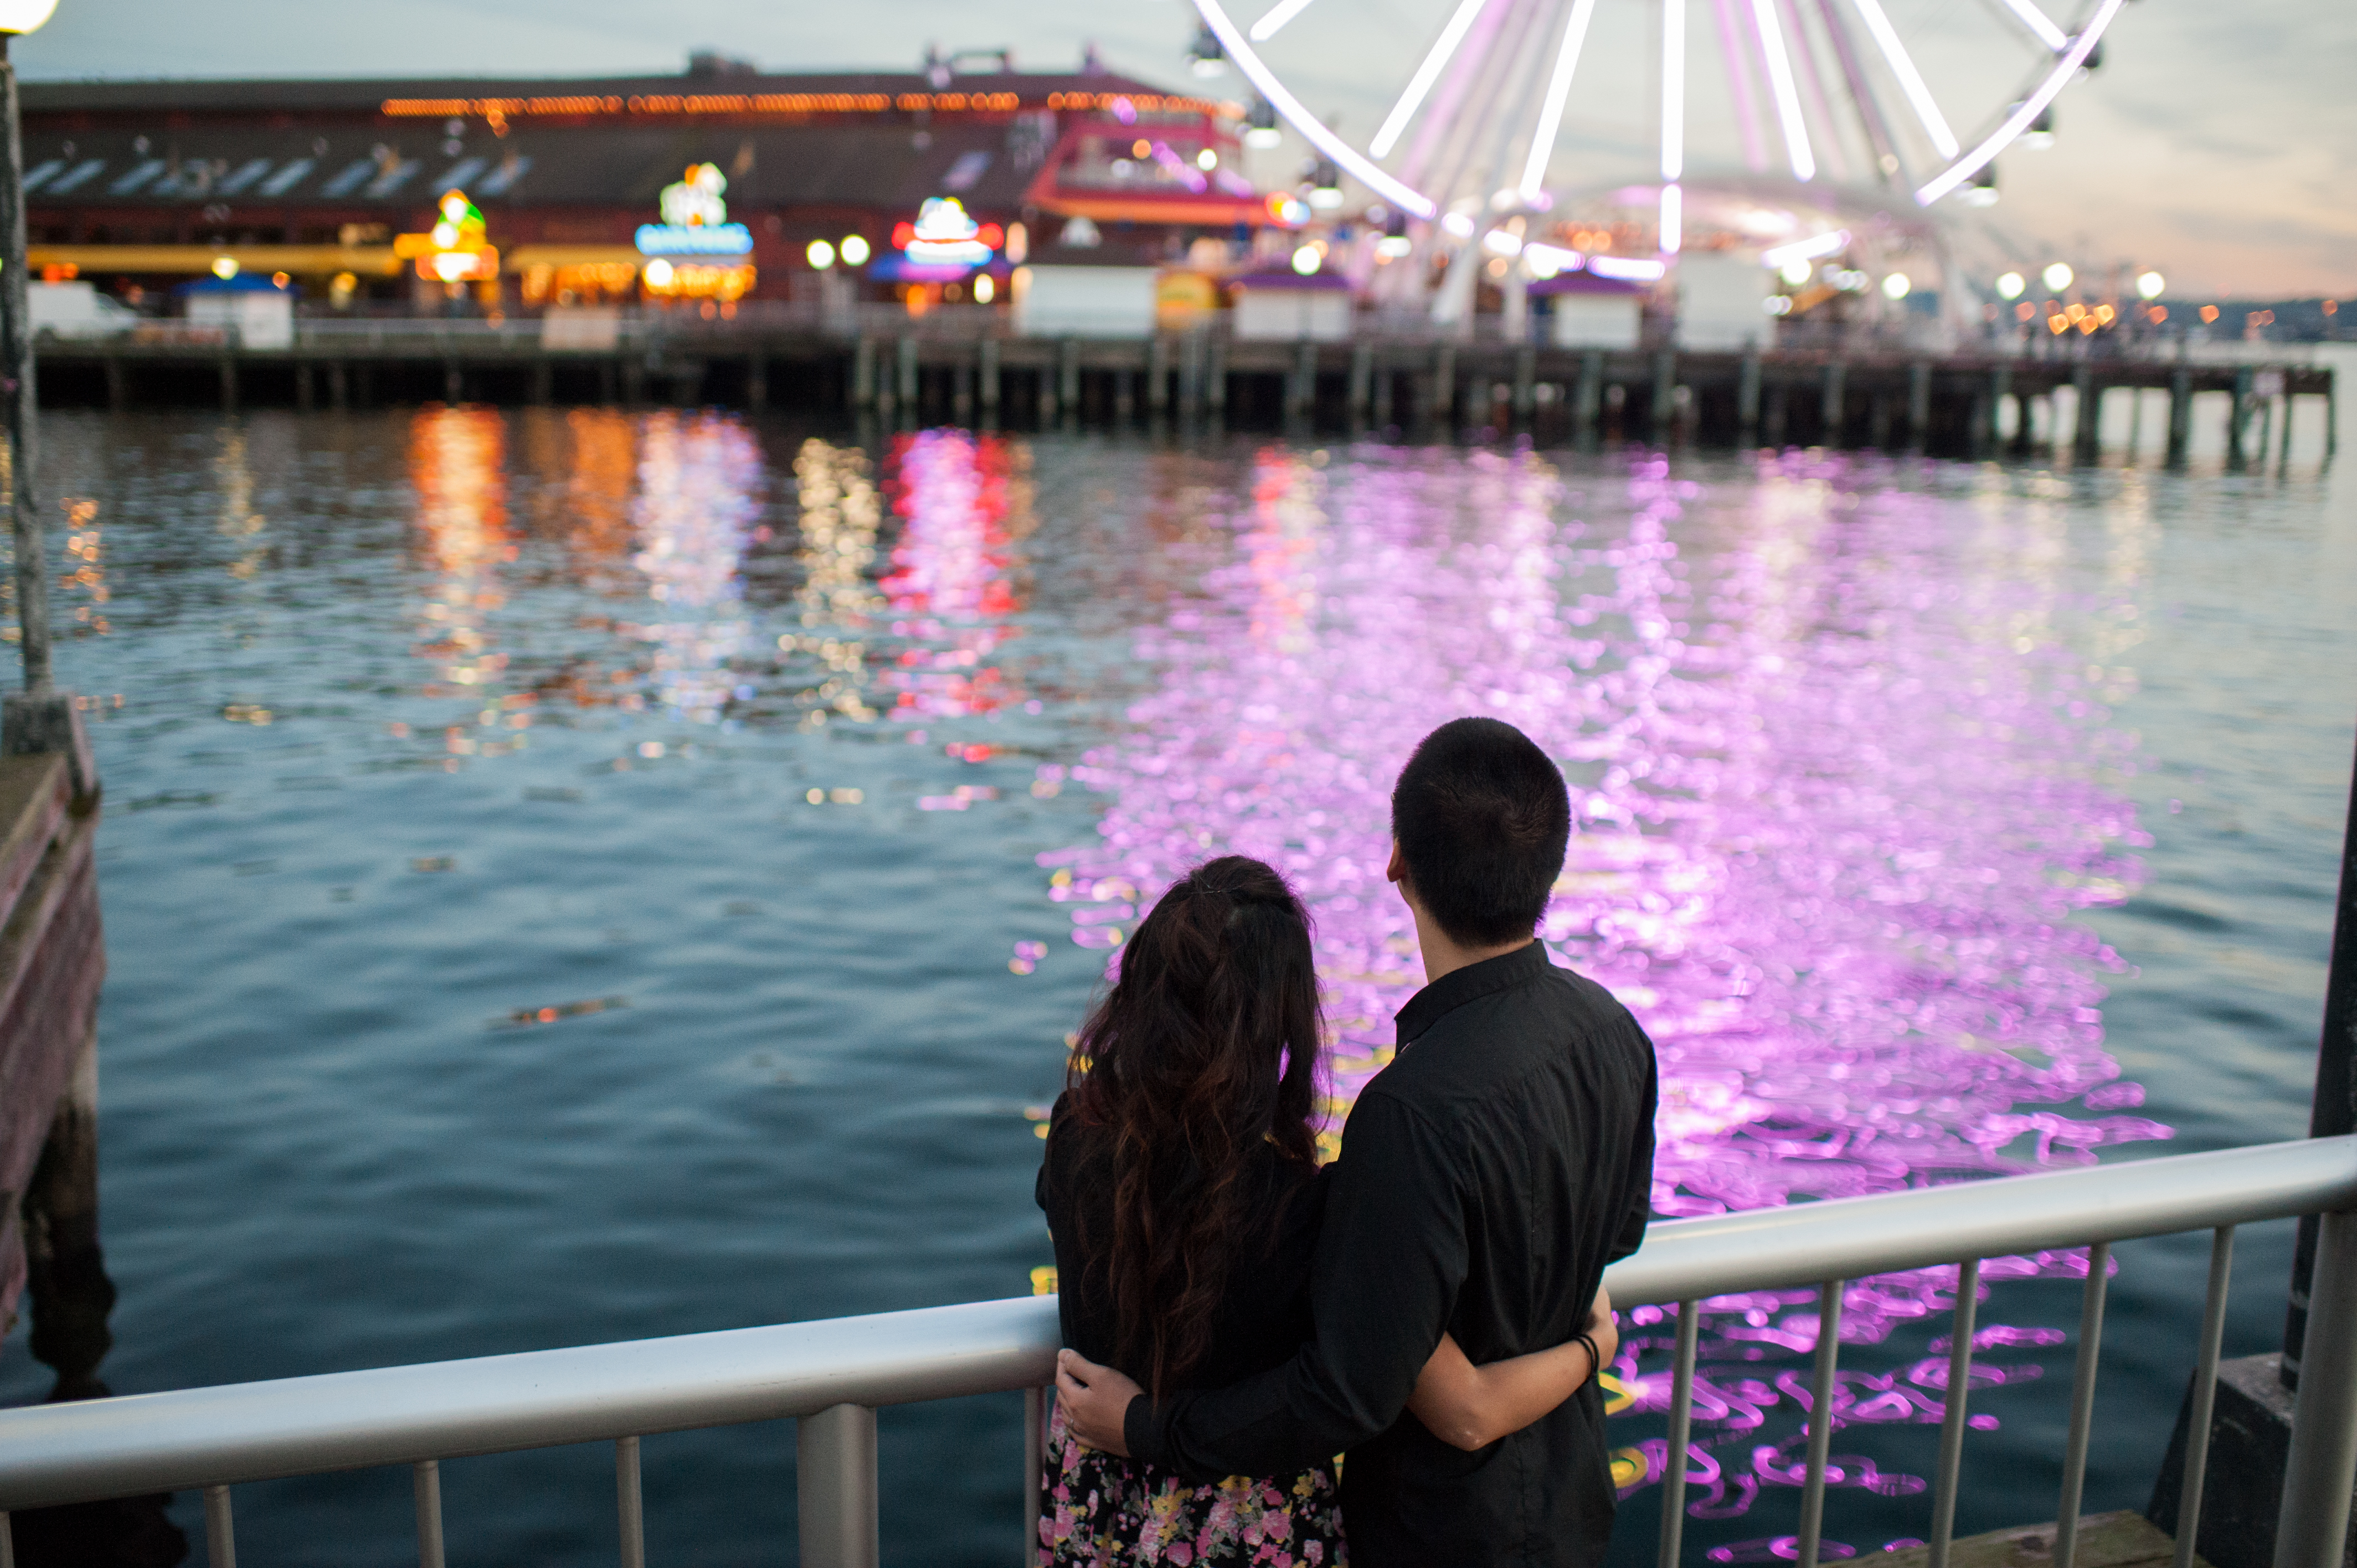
x=1103 y=1510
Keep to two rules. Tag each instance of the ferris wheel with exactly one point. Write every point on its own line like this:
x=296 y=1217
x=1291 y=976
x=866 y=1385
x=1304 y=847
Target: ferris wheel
x=1819 y=93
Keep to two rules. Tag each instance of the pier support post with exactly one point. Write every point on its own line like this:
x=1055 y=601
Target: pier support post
x=1383 y=394
x=339 y=395
x=1919 y=404
x=1158 y=376
x=66 y=1273
x=1215 y=375
x=634 y=379
x=1836 y=380
x=544 y=382
x=454 y=383
x=1068 y=377
x=1587 y=403
x=2238 y=418
x=2089 y=438
x=2332 y=416
x=756 y=380
x=1125 y=395
x=961 y=392
x=1190 y=375
x=1776 y=419
x=834 y=1469
x=228 y=384
x=1666 y=397
x=302 y=384
x=905 y=361
x=863 y=372
x=1747 y=396
x=2283 y=452
x=2180 y=414
x=1362 y=377
x=2025 y=414
x=1877 y=422
x=987 y=374
x=1301 y=398
x=1526 y=379
x=118 y=391
x=2000 y=387
x=1443 y=384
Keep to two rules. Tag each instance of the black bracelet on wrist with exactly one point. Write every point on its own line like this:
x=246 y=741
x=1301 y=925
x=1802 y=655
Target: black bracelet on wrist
x=1595 y=1356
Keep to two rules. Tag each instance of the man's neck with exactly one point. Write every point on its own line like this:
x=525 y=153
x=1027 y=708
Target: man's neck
x=1445 y=955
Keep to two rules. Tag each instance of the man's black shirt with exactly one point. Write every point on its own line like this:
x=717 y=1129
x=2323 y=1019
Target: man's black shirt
x=1487 y=1177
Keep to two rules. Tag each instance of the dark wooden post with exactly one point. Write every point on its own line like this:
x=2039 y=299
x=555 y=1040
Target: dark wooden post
x=2333 y=1111
x=1747 y=396
x=1836 y=378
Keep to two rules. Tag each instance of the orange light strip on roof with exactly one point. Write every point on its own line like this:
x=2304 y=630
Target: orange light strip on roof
x=749 y=103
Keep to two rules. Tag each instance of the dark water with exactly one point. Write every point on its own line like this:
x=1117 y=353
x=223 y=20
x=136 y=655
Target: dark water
x=579 y=876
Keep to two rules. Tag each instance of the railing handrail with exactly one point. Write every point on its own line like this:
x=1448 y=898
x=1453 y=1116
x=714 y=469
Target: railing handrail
x=245 y=1432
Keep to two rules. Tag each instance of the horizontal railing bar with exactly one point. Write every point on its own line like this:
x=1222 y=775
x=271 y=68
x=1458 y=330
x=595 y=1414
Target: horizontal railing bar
x=135 y=1444
x=340 y=1421
x=1848 y=1238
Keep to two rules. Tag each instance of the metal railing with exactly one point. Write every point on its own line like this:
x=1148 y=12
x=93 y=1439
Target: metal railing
x=831 y=1376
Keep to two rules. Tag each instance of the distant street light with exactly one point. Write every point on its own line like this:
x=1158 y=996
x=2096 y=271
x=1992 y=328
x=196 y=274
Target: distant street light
x=2058 y=276
x=2149 y=285
x=2010 y=285
x=17 y=389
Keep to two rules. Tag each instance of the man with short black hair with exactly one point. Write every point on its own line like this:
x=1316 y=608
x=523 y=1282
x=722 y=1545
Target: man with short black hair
x=1487 y=1177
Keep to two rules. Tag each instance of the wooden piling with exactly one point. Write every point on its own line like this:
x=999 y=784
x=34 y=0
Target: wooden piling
x=1158 y=375
x=904 y=353
x=2000 y=387
x=1385 y=390
x=1125 y=395
x=1919 y=404
x=1526 y=380
x=2088 y=441
x=2238 y=416
x=756 y=380
x=1773 y=423
x=1215 y=376
x=228 y=384
x=303 y=386
x=2180 y=414
x=986 y=374
x=454 y=383
x=1443 y=384
x=1830 y=405
x=1665 y=396
x=544 y=382
x=1301 y=400
x=1588 y=402
x=2282 y=456
x=1747 y=396
x=1362 y=377
x=961 y=392
x=118 y=391
x=1068 y=377
x=862 y=372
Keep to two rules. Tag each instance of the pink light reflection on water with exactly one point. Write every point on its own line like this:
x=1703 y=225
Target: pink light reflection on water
x=1841 y=786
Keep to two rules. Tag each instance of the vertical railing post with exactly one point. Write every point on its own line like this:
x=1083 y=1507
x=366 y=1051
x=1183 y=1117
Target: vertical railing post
x=835 y=1467
x=2313 y=1527
x=1952 y=1425
x=628 y=1504
x=2083 y=1406
x=1821 y=1422
x=1673 y=1462
x=1035 y=1468
x=220 y=1531
x=427 y=1485
x=2205 y=1396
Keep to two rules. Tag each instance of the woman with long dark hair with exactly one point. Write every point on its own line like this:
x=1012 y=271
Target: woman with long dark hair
x=1182 y=1189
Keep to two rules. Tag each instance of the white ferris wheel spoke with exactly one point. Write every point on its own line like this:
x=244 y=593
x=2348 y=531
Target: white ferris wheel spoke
x=1315 y=130
x=1558 y=92
x=1910 y=80
x=1739 y=80
x=1672 y=228
x=1887 y=161
x=2031 y=107
x=1434 y=63
x=1787 y=99
x=1284 y=11
x=1804 y=52
x=2037 y=21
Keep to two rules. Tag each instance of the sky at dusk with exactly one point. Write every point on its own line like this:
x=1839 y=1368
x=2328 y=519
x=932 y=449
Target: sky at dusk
x=2214 y=143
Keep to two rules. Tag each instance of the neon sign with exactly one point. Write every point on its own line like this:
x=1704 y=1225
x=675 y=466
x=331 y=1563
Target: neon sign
x=943 y=235
x=694 y=219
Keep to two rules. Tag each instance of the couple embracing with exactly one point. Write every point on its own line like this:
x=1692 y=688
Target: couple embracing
x=1429 y=1307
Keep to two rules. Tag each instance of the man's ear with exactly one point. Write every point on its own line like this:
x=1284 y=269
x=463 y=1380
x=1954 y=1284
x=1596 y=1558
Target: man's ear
x=1396 y=869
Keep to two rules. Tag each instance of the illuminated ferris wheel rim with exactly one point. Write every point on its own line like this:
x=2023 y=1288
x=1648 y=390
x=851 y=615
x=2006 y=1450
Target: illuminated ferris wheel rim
x=1963 y=164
